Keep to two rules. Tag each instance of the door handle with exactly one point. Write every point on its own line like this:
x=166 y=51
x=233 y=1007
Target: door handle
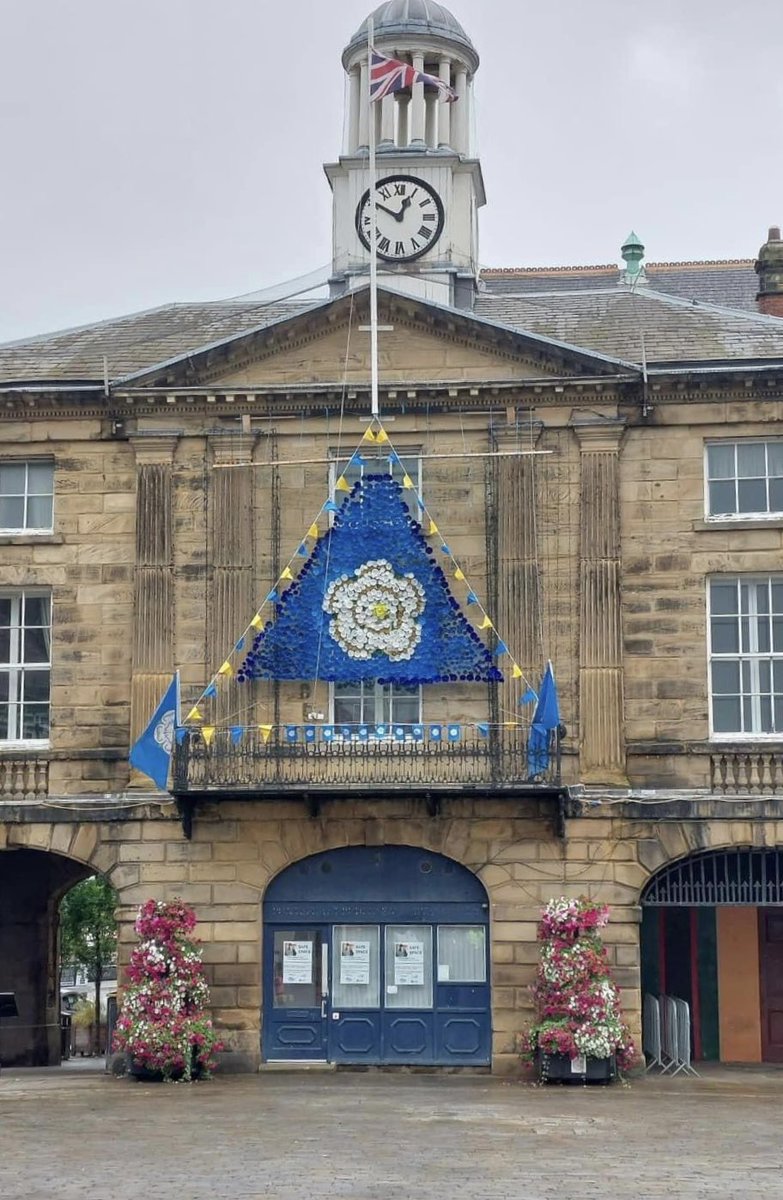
x=323 y=1006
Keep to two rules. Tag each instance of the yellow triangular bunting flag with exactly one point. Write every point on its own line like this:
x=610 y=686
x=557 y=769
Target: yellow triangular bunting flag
x=369 y=436
x=287 y=574
x=459 y=574
x=342 y=485
x=433 y=527
x=257 y=621
x=226 y=669
x=194 y=715
x=407 y=482
x=382 y=436
x=313 y=531
x=516 y=671
x=208 y=732
x=266 y=731
x=486 y=623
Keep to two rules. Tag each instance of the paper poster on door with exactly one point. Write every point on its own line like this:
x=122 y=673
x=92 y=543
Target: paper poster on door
x=297 y=962
x=355 y=962
x=409 y=963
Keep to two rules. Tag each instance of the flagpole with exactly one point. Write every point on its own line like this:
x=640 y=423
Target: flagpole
x=373 y=231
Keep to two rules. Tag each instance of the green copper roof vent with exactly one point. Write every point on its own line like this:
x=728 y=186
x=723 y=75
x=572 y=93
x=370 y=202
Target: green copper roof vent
x=632 y=251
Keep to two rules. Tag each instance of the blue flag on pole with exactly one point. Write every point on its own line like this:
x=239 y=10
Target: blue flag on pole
x=545 y=718
x=151 y=754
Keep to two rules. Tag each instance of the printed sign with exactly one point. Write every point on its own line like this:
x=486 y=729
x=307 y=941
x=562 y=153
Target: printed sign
x=409 y=964
x=355 y=962
x=579 y=1065
x=297 y=962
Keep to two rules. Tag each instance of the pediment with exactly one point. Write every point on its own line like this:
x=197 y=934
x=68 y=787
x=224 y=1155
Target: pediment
x=328 y=345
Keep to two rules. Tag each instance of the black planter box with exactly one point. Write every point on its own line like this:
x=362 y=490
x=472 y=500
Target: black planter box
x=559 y=1068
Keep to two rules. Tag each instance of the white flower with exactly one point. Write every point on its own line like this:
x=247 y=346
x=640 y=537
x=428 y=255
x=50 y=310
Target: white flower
x=374 y=611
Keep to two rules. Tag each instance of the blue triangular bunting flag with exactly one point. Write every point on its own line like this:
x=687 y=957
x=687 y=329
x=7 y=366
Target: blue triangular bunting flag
x=371 y=603
x=236 y=732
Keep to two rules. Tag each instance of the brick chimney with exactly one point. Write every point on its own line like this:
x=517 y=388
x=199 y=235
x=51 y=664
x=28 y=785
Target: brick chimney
x=769 y=268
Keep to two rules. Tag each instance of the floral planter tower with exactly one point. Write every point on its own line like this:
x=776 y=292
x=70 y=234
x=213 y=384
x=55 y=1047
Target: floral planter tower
x=163 y=1026
x=579 y=1035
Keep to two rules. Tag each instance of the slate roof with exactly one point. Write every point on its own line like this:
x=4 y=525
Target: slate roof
x=630 y=325
x=140 y=340
x=614 y=321
x=731 y=283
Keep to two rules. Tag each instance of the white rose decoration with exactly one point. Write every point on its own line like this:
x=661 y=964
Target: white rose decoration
x=374 y=611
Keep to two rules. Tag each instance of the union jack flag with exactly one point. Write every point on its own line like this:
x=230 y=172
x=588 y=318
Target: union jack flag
x=389 y=75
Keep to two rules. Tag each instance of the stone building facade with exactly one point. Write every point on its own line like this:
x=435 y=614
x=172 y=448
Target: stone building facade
x=598 y=450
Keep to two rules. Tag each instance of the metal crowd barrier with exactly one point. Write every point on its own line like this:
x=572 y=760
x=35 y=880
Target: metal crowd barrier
x=666 y=1034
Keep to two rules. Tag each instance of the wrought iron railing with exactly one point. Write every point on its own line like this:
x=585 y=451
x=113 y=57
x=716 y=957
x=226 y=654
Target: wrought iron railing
x=496 y=762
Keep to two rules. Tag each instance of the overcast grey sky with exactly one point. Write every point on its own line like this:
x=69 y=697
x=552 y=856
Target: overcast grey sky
x=160 y=150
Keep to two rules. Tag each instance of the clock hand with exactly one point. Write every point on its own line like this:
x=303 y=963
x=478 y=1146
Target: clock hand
x=388 y=211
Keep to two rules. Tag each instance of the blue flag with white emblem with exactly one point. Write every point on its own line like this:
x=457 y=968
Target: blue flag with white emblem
x=151 y=753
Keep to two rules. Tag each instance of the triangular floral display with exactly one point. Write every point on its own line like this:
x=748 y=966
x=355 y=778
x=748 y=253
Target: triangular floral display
x=370 y=603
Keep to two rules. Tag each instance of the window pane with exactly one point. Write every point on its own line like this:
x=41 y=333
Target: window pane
x=764 y=675
x=777 y=675
x=35 y=722
x=408 y=964
x=5 y=645
x=720 y=461
x=726 y=715
x=39 y=479
x=775 y=458
x=762 y=597
x=406 y=705
x=297 y=968
x=39 y=512
x=35 y=685
x=5 y=714
x=747 y=715
x=462 y=954
x=776 y=495
x=762 y=632
x=347 y=711
x=356 y=966
x=36 y=610
x=11 y=513
x=12 y=479
x=4 y=685
x=725 y=678
x=5 y=610
x=722 y=498
x=766 y=716
x=36 y=646
x=723 y=598
x=725 y=638
x=751 y=495
x=751 y=460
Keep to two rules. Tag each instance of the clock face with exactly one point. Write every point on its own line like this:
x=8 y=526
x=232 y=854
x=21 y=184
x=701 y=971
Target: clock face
x=409 y=216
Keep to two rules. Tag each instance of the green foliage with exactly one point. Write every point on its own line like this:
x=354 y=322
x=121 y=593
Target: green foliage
x=88 y=930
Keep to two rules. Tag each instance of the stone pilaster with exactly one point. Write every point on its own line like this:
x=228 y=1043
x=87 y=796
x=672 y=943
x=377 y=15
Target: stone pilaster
x=231 y=601
x=153 y=601
x=601 y=714
x=519 y=575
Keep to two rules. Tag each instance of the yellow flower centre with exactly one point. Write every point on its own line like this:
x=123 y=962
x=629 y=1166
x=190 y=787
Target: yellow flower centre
x=380 y=610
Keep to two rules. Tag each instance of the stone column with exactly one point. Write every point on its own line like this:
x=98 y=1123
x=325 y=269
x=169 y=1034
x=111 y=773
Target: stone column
x=444 y=109
x=459 y=118
x=231 y=548
x=153 y=601
x=387 y=121
x=364 y=105
x=601 y=713
x=355 y=100
x=417 y=127
x=519 y=575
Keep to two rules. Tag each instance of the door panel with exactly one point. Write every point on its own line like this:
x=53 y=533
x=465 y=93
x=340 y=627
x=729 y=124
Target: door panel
x=296 y=974
x=355 y=1025
x=771 y=956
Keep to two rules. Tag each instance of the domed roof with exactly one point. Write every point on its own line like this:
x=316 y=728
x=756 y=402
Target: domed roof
x=412 y=18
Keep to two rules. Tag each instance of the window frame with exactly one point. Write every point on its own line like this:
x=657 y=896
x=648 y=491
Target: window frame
x=409 y=458
x=753 y=657
x=768 y=514
x=26 y=530
x=14 y=668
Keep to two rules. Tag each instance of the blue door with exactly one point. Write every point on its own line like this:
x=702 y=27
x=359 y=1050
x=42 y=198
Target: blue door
x=399 y=954
x=296 y=968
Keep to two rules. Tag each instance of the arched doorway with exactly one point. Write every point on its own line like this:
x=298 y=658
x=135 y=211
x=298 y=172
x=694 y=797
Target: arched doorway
x=712 y=934
x=32 y=883
x=377 y=955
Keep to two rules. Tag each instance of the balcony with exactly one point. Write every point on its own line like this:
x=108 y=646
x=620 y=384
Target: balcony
x=492 y=765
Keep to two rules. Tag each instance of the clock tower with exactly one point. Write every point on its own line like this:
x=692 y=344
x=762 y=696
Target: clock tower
x=429 y=185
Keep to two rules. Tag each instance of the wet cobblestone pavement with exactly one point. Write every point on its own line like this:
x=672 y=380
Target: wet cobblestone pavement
x=78 y=1133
